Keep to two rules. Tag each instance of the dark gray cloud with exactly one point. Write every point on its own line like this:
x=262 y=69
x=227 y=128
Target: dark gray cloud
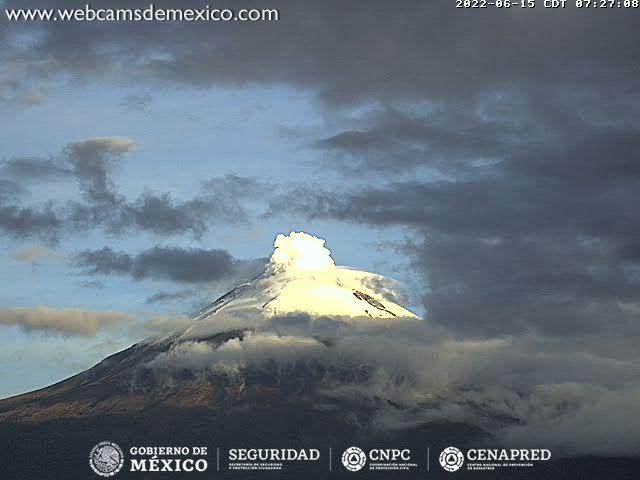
x=181 y=265
x=441 y=139
x=192 y=265
x=375 y=50
x=22 y=222
x=10 y=190
x=160 y=214
x=235 y=186
x=516 y=229
x=529 y=128
x=88 y=161
x=221 y=200
x=91 y=163
x=34 y=169
x=162 y=297
x=152 y=212
x=92 y=284
x=104 y=261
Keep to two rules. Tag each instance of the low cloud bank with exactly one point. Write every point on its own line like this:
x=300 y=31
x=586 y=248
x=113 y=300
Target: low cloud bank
x=523 y=390
x=75 y=322
x=68 y=321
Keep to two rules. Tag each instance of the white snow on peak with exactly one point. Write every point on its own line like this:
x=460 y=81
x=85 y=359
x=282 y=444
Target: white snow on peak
x=301 y=277
x=299 y=253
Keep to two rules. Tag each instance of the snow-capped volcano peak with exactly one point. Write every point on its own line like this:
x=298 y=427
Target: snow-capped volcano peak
x=301 y=277
x=300 y=253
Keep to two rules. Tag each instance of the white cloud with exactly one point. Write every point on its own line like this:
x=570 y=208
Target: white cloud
x=561 y=394
x=235 y=354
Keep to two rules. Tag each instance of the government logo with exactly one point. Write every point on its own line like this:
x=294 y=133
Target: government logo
x=353 y=459
x=451 y=459
x=106 y=459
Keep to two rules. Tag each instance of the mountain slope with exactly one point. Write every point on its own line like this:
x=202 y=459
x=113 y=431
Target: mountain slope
x=306 y=355
x=300 y=278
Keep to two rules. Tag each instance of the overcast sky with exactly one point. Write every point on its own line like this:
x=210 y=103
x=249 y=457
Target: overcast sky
x=487 y=158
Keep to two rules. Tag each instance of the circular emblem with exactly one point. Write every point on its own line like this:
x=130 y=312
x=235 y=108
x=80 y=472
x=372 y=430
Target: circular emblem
x=353 y=459
x=451 y=459
x=106 y=459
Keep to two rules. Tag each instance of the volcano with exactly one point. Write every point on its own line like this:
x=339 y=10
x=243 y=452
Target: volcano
x=300 y=281
x=289 y=359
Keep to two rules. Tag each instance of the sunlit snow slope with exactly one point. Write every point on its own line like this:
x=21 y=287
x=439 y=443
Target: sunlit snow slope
x=301 y=277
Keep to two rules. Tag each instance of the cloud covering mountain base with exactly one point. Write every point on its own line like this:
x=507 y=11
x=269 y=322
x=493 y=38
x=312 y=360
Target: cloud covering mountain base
x=522 y=391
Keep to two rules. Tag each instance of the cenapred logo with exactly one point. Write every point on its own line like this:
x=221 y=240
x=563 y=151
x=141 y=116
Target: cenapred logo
x=106 y=459
x=451 y=459
x=353 y=459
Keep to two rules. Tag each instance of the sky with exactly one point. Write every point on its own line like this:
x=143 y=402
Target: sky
x=486 y=158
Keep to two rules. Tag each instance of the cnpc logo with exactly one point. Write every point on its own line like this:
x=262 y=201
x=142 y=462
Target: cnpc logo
x=354 y=458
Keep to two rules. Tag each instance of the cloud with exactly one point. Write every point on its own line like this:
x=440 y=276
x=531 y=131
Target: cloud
x=10 y=189
x=88 y=323
x=92 y=284
x=181 y=265
x=68 y=322
x=221 y=200
x=91 y=163
x=23 y=222
x=35 y=169
x=238 y=353
x=612 y=414
x=192 y=265
x=88 y=161
x=522 y=220
x=235 y=186
x=160 y=214
x=104 y=261
x=422 y=50
x=437 y=138
x=522 y=390
x=162 y=297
